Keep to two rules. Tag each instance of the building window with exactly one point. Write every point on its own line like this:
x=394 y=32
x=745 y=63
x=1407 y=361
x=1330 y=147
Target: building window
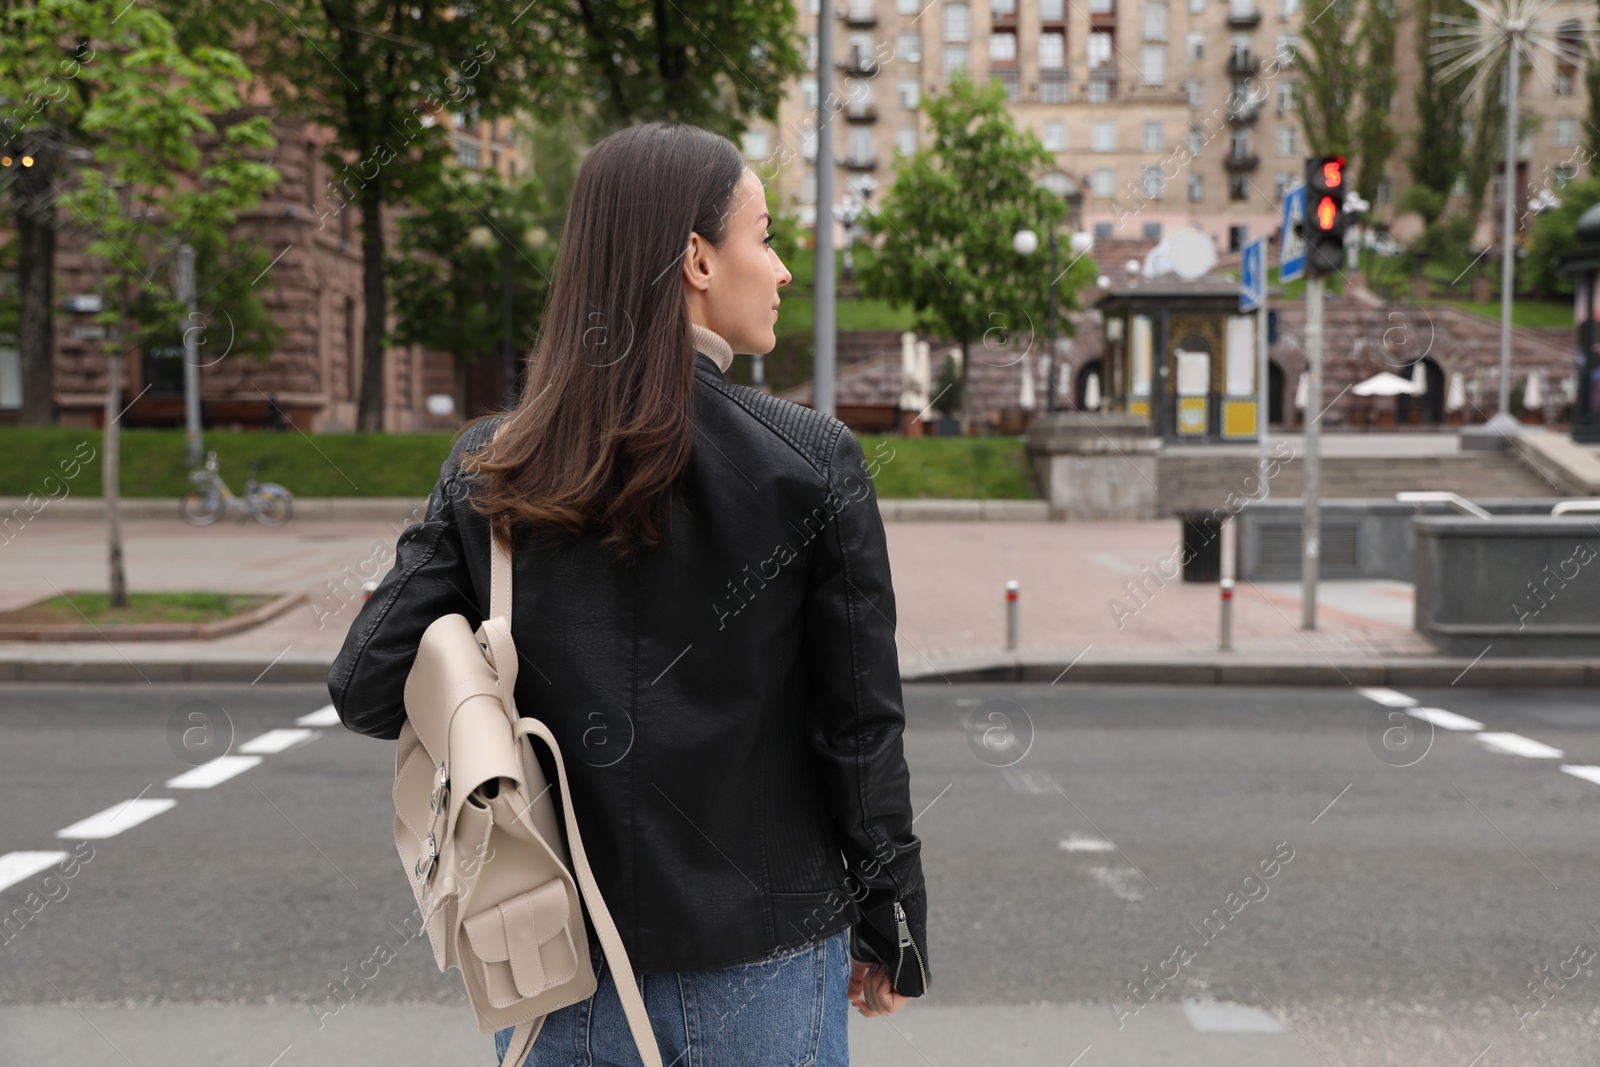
x=1101 y=7
x=1011 y=81
x=860 y=144
x=906 y=141
x=1280 y=186
x=1565 y=172
x=1155 y=20
x=808 y=188
x=1154 y=137
x=1052 y=51
x=955 y=58
x=956 y=21
x=1152 y=184
x=1288 y=140
x=1053 y=87
x=808 y=92
x=1566 y=132
x=1102 y=231
x=811 y=51
x=1238 y=187
x=1055 y=136
x=1002 y=48
x=467 y=153
x=1197 y=7
x=1288 y=44
x=1285 y=97
x=1050 y=10
x=808 y=142
x=1288 y=8
x=910 y=48
x=755 y=144
x=1153 y=64
x=1385 y=191
x=1003 y=8
x=1197 y=188
x=1197 y=94
x=1152 y=231
x=1105 y=137
x=910 y=94
x=1197 y=140
x=1099 y=50
x=1103 y=181
x=1197 y=45
x=907 y=7
x=1239 y=142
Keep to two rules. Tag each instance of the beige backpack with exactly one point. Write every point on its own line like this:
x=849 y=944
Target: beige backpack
x=476 y=828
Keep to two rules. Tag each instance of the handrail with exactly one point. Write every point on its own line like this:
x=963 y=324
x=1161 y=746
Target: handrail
x=1574 y=505
x=1444 y=498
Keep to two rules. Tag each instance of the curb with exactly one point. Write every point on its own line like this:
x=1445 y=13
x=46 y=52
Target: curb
x=15 y=512
x=1417 y=671
x=157 y=631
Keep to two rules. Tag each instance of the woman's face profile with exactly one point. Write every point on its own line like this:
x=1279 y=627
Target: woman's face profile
x=733 y=290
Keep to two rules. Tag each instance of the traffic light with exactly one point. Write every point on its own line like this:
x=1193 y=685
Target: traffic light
x=1323 y=226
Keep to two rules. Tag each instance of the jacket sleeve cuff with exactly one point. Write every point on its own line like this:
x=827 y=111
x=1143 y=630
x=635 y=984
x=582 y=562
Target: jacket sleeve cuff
x=877 y=939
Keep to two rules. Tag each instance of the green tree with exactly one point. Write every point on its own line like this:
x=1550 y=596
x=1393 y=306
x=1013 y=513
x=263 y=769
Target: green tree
x=1379 y=78
x=446 y=280
x=941 y=240
x=386 y=77
x=1438 y=147
x=162 y=173
x=1330 y=80
x=1555 y=235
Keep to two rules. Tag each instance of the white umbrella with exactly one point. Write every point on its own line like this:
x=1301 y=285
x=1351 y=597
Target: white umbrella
x=1569 y=388
x=1026 y=400
x=1456 y=398
x=908 y=371
x=1091 y=392
x=1419 y=379
x=1383 y=384
x=1300 y=392
x=1533 y=393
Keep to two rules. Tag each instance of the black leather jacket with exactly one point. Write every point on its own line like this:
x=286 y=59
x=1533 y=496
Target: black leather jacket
x=729 y=707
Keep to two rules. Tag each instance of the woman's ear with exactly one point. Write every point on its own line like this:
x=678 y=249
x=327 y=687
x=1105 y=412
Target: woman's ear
x=696 y=263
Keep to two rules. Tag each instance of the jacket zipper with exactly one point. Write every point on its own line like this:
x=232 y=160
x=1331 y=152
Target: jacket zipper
x=903 y=928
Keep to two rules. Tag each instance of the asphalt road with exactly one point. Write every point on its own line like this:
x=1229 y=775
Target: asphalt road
x=1300 y=876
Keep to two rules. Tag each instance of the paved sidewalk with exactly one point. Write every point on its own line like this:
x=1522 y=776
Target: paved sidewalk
x=1099 y=601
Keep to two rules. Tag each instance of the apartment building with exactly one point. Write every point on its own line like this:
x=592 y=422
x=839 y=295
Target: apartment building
x=1160 y=114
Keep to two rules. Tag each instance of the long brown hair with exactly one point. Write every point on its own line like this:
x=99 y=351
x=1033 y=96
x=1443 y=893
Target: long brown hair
x=602 y=429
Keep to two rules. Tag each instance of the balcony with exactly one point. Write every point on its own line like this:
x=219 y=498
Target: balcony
x=1236 y=160
x=859 y=64
x=1240 y=17
x=1245 y=112
x=1053 y=87
x=1243 y=62
x=860 y=16
x=858 y=162
x=861 y=113
x=1102 y=87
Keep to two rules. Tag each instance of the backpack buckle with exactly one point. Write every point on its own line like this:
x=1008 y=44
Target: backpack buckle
x=427 y=861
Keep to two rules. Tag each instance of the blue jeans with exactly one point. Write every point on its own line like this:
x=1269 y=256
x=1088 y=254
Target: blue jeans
x=787 y=1010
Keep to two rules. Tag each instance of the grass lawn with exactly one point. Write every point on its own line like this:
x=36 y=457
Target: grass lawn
x=1531 y=313
x=73 y=608
x=41 y=460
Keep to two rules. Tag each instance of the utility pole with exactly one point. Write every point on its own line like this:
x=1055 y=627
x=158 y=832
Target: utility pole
x=1311 y=524
x=822 y=354
x=191 y=359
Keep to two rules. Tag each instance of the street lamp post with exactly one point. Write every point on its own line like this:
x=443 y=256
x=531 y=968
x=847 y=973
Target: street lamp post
x=1026 y=242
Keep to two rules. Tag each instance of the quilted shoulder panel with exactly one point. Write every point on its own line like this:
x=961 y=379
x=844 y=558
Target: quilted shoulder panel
x=809 y=432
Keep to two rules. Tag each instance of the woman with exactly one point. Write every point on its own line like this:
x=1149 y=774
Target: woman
x=703 y=606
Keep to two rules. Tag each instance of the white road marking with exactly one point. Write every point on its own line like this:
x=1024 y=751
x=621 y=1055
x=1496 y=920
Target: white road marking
x=117 y=818
x=1237 y=1018
x=1447 y=720
x=16 y=866
x=1517 y=745
x=326 y=716
x=1122 y=881
x=1388 y=697
x=213 y=773
x=1588 y=772
x=275 y=741
x=1038 y=783
x=1084 y=843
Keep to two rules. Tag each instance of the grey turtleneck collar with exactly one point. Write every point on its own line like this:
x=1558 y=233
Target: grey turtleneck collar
x=712 y=344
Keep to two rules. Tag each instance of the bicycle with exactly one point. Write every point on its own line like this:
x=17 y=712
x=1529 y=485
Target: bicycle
x=270 y=504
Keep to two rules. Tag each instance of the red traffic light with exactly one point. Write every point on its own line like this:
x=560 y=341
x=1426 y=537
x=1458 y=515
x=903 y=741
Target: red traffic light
x=1327 y=212
x=1333 y=172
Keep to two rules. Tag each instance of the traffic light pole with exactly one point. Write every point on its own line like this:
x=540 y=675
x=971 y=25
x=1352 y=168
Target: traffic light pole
x=1311 y=523
x=1261 y=388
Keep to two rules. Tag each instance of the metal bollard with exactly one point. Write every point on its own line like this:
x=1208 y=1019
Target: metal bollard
x=1227 y=614
x=1011 y=613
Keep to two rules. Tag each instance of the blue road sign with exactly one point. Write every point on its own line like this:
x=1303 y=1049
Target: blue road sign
x=1253 y=277
x=1291 y=246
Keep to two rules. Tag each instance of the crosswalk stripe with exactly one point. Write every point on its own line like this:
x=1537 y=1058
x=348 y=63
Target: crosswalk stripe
x=1587 y=771
x=1517 y=745
x=275 y=741
x=213 y=773
x=1446 y=720
x=16 y=866
x=324 y=716
x=117 y=818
